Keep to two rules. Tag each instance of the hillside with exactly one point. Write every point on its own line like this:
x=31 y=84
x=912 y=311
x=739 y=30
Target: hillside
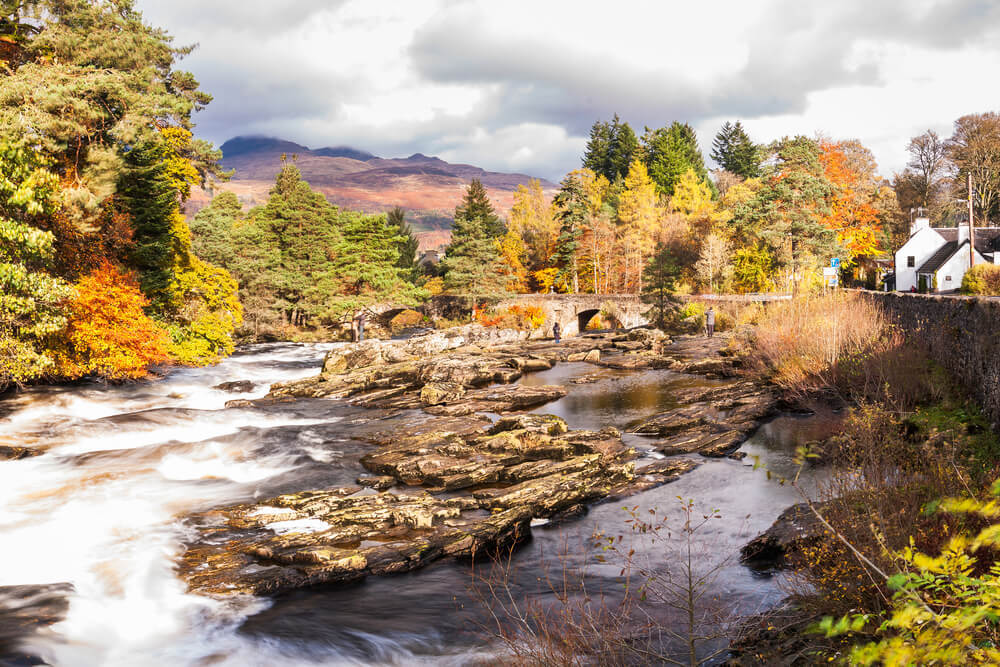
x=427 y=187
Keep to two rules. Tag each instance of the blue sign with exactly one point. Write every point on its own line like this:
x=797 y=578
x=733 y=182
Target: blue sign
x=835 y=262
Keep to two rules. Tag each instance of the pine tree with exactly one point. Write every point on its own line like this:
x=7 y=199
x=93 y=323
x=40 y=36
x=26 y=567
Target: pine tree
x=396 y=218
x=669 y=152
x=476 y=205
x=611 y=148
x=658 y=281
x=572 y=208
x=472 y=264
x=733 y=151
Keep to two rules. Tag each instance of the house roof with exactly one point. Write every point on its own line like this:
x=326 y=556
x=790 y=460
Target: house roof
x=942 y=255
x=987 y=238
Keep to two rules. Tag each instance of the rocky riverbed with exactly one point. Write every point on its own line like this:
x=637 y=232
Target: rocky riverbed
x=463 y=484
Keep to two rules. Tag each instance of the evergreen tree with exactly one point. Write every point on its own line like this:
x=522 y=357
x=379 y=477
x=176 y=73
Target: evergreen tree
x=669 y=152
x=611 y=148
x=572 y=207
x=472 y=264
x=396 y=218
x=151 y=202
x=733 y=151
x=366 y=267
x=660 y=273
x=789 y=208
x=476 y=205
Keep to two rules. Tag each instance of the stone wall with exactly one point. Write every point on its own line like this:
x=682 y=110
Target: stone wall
x=960 y=333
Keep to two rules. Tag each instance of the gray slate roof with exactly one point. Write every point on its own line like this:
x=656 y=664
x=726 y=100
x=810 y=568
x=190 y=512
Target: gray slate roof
x=942 y=255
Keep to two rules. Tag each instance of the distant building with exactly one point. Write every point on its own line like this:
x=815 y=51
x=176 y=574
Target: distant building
x=935 y=259
x=429 y=259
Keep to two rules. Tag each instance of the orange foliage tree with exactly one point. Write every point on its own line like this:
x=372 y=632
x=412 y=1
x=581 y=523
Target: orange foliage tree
x=108 y=334
x=853 y=215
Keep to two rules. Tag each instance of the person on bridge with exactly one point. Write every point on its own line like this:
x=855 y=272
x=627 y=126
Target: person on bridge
x=710 y=321
x=556 y=330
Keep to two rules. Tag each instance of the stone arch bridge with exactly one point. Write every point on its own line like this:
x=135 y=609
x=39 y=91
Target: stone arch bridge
x=573 y=312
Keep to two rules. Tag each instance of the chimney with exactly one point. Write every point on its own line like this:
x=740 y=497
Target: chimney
x=918 y=224
x=963 y=232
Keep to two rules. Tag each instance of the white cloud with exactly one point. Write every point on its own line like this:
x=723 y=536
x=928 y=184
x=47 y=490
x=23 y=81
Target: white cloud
x=515 y=86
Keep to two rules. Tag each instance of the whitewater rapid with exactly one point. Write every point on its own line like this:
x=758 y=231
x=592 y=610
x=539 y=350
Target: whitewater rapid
x=100 y=508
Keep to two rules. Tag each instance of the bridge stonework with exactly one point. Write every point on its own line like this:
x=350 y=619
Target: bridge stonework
x=571 y=311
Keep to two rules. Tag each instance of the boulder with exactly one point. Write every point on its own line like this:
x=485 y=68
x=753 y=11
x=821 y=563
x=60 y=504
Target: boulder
x=435 y=393
x=593 y=356
x=794 y=528
x=14 y=452
x=236 y=387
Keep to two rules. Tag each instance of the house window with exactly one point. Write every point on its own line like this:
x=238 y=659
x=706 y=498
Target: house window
x=911 y=261
x=947 y=279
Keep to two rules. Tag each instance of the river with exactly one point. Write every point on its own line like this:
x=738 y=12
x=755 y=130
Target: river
x=100 y=511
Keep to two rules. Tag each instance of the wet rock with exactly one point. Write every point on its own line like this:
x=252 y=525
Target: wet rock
x=593 y=356
x=796 y=527
x=587 y=379
x=14 y=453
x=548 y=424
x=500 y=400
x=23 y=611
x=236 y=387
x=435 y=393
x=509 y=476
x=576 y=356
x=377 y=482
x=668 y=469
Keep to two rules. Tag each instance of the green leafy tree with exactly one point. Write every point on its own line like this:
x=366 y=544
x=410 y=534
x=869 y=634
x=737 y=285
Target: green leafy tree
x=658 y=280
x=31 y=299
x=476 y=205
x=669 y=152
x=572 y=207
x=733 y=151
x=396 y=219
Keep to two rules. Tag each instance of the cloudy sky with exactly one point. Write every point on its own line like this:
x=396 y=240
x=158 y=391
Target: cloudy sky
x=515 y=86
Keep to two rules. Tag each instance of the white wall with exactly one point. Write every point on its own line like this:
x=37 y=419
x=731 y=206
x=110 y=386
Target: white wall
x=956 y=268
x=921 y=245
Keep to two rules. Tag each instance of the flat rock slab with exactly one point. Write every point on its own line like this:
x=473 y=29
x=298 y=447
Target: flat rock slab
x=498 y=479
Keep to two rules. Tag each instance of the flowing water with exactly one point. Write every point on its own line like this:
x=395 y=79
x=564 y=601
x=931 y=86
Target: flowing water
x=98 y=516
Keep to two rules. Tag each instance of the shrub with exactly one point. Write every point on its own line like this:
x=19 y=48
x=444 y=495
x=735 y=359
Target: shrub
x=108 y=334
x=435 y=285
x=802 y=344
x=522 y=318
x=982 y=279
x=405 y=320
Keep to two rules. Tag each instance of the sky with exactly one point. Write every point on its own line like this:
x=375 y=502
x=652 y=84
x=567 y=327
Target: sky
x=516 y=86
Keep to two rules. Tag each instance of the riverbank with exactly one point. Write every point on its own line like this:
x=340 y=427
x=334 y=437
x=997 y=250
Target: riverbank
x=177 y=447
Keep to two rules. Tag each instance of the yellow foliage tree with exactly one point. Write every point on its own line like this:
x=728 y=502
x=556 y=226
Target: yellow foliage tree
x=532 y=219
x=513 y=251
x=639 y=214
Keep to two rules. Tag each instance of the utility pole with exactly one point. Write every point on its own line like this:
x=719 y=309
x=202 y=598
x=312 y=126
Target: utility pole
x=972 y=228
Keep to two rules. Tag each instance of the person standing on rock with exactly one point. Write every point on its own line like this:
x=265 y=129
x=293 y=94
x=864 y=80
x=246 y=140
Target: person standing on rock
x=710 y=321
x=361 y=326
x=556 y=330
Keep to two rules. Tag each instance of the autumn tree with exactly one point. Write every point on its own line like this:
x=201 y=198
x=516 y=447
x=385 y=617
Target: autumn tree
x=713 y=260
x=109 y=335
x=31 y=298
x=850 y=169
x=533 y=222
x=733 y=150
x=974 y=148
x=638 y=213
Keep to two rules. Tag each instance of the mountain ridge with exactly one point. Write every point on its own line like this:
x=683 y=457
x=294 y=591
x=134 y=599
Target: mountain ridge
x=427 y=187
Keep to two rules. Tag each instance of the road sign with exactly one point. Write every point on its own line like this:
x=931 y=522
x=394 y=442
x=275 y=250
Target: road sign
x=829 y=271
x=835 y=262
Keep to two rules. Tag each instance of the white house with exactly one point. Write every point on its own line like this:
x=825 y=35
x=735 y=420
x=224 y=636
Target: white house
x=936 y=258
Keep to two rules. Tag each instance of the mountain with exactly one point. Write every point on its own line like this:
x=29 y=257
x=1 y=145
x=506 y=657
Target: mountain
x=428 y=188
